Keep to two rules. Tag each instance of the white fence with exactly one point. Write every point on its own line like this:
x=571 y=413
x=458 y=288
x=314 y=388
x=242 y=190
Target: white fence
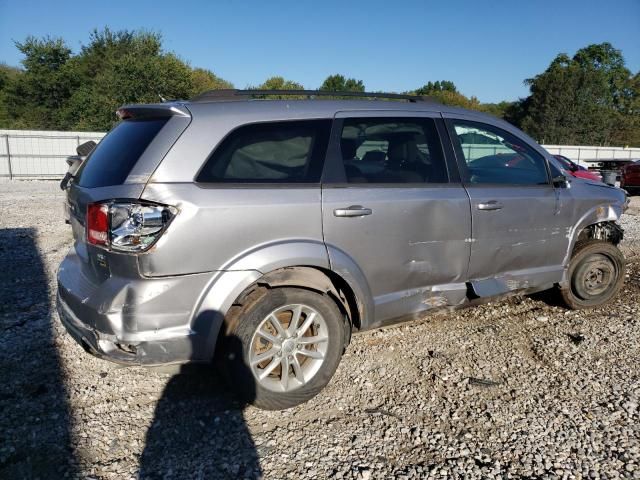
x=42 y=154
x=39 y=154
x=587 y=155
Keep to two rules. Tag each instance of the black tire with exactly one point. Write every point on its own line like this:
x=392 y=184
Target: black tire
x=237 y=346
x=596 y=274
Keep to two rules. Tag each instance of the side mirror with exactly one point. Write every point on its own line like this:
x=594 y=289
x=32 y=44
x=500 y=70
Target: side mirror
x=561 y=181
x=85 y=148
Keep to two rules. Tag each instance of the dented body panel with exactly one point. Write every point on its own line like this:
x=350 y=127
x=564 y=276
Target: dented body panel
x=415 y=239
x=520 y=245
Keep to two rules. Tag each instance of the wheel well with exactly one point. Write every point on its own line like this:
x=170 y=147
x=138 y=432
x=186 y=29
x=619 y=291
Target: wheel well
x=609 y=231
x=317 y=279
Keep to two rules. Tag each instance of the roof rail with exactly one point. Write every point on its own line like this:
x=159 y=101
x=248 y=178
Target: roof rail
x=233 y=94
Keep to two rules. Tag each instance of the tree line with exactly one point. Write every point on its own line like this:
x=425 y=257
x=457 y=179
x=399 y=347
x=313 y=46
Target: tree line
x=591 y=98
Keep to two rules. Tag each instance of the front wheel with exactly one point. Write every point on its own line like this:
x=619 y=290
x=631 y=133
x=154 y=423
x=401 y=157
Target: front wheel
x=596 y=274
x=288 y=345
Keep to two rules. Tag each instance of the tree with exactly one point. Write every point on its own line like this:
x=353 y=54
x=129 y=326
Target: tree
x=203 y=80
x=438 y=86
x=499 y=109
x=36 y=97
x=124 y=67
x=446 y=93
x=584 y=99
x=59 y=90
x=339 y=83
x=8 y=77
x=279 y=83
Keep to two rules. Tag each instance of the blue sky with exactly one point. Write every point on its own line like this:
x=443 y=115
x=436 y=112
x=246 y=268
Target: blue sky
x=486 y=47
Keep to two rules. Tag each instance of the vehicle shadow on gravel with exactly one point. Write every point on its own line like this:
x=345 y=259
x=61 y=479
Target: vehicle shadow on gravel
x=198 y=430
x=35 y=421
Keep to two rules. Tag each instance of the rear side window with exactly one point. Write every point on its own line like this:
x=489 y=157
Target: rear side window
x=276 y=152
x=117 y=153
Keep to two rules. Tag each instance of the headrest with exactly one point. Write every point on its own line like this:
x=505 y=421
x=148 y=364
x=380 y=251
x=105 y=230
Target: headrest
x=349 y=148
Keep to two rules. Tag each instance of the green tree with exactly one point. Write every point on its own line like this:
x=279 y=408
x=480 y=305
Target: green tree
x=584 y=99
x=279 y=83
x=203 y=80
x=124 y=67
x=59 y=90
x=8 y=77
x=339 y=83
x=446 y=93
x=431 y=88
x=499 y=109
x=35 y=98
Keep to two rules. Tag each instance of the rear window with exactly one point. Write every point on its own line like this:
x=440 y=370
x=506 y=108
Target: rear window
x=276 y=152
x=116 y=154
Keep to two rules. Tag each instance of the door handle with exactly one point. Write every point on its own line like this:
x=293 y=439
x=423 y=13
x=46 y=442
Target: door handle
x=490 y=205
x=352 y=211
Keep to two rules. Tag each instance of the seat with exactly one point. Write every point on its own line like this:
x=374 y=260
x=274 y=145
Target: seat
x=374 y=156
x=403 y=160
x=349 y=148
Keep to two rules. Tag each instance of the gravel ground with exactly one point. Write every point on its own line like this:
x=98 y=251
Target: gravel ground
x=512 y=389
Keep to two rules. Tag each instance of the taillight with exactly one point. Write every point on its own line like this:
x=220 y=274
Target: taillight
x=127 y=226
x=98 y=224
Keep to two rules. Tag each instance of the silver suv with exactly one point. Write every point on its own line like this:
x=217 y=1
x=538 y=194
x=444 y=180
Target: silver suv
x=262 y=233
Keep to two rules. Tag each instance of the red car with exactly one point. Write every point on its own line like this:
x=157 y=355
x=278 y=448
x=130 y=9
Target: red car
x=630 y=177
x=576 y=170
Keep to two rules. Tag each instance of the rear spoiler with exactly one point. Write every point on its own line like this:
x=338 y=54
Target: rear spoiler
x=159 y=110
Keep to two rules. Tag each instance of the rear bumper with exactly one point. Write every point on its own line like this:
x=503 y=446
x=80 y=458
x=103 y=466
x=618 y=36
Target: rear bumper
x=134 y=321
x=108 y=347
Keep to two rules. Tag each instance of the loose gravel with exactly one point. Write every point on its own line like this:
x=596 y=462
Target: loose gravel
x=514 y=389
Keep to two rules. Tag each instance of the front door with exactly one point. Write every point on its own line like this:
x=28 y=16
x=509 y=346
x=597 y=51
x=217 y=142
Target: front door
x=391 y=207
x=519 y=240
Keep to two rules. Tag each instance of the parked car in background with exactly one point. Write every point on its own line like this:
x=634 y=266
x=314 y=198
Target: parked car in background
x=576 y=170
x=611 y=169
x=630 y=177
x=262 y=233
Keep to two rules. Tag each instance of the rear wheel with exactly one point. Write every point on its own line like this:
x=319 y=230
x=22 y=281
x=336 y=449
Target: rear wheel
x=596 y=274
x=289 y=343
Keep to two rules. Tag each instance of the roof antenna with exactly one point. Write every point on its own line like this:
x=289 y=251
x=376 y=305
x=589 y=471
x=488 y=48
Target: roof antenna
x=162 y=99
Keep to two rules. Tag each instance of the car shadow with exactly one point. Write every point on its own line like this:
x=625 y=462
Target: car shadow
x=198 y=430
x=35 y=420
x=551 y=298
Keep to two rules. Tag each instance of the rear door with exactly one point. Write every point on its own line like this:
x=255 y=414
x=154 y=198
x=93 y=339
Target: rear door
x=394 y=206
x=519 y=238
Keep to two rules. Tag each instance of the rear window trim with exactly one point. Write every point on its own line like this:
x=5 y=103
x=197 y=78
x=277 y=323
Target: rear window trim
x=259 y=184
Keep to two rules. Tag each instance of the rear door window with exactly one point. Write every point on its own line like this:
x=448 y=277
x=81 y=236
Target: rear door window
x=392 y=150
x=274 y=152
x=117 y=153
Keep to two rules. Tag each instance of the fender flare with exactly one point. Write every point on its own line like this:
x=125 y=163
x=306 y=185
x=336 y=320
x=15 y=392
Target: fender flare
x=606 y=212
x=227 y=285
x=600 y=213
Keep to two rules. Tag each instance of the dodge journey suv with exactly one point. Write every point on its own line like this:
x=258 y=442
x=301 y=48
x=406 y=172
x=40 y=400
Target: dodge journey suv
x=261 y=233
